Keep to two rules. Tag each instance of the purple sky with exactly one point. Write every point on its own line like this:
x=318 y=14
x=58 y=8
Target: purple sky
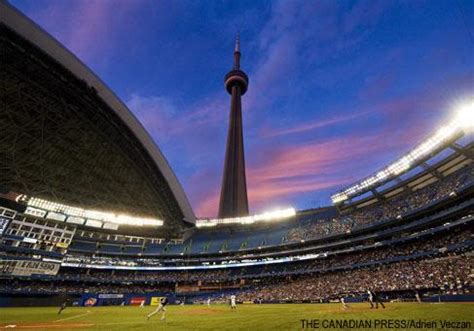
x=337 y=88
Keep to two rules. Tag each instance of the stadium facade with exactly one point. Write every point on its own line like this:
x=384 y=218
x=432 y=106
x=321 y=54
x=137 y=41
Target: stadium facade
x=71 y=152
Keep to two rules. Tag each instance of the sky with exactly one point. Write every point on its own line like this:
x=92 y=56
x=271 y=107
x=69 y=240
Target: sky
x=338 y=89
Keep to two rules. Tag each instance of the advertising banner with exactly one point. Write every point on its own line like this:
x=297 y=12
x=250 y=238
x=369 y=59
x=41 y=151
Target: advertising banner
x=62 y=245
x=27 y=268
x=135 y=301
x=90 y=302
x=155 y=301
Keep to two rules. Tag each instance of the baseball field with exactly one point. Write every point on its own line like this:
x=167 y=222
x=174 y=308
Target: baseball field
x=408 y=316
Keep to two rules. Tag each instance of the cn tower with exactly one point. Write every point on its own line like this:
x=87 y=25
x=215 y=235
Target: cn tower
x=233 y=202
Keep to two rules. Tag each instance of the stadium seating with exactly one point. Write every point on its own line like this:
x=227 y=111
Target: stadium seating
x=317 y=255
x=306 y=226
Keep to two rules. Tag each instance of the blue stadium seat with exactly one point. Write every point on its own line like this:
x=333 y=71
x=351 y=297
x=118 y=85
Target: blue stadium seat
x=133 y=249
x=153 y=249
x=87 y=246
x=110 y=248
x=174 y=250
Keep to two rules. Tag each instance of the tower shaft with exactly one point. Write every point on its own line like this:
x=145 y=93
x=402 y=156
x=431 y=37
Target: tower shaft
x=234 y=202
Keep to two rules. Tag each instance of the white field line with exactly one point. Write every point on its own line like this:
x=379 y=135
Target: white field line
x=72 y=317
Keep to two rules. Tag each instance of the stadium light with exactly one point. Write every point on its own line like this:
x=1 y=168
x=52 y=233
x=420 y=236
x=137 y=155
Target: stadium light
x=90 y=214
x=462 y=123
x=465 y=116
x=265 y=217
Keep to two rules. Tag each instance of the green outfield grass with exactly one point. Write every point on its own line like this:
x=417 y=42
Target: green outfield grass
x=219 y=317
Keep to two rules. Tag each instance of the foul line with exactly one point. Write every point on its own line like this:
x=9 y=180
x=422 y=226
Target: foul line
x=42 y=326
x=72 y=317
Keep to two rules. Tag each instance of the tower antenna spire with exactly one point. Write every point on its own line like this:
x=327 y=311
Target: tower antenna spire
x=237 y=43
x=237 y=52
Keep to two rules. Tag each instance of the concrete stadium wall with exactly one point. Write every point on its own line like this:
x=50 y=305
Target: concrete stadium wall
x=23 y=300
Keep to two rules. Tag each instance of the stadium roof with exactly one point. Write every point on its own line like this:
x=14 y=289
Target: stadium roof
x=66 y=137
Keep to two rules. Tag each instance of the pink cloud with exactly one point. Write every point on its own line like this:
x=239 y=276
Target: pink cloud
x=315 y=158
x=295 y=169
x=208 y=204
x=87 y=28
x=316 y=124
x=161 y=114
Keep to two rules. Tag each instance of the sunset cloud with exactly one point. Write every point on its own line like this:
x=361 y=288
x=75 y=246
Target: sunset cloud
x=90 y=29
x=311 y=166
x=313 y=125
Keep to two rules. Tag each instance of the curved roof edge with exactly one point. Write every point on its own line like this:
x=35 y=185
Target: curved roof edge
x=17 y=21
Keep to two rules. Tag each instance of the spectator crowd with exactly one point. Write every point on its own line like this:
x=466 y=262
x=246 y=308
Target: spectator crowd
x=330 y=275
x=390 y=209
x=451 y=274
